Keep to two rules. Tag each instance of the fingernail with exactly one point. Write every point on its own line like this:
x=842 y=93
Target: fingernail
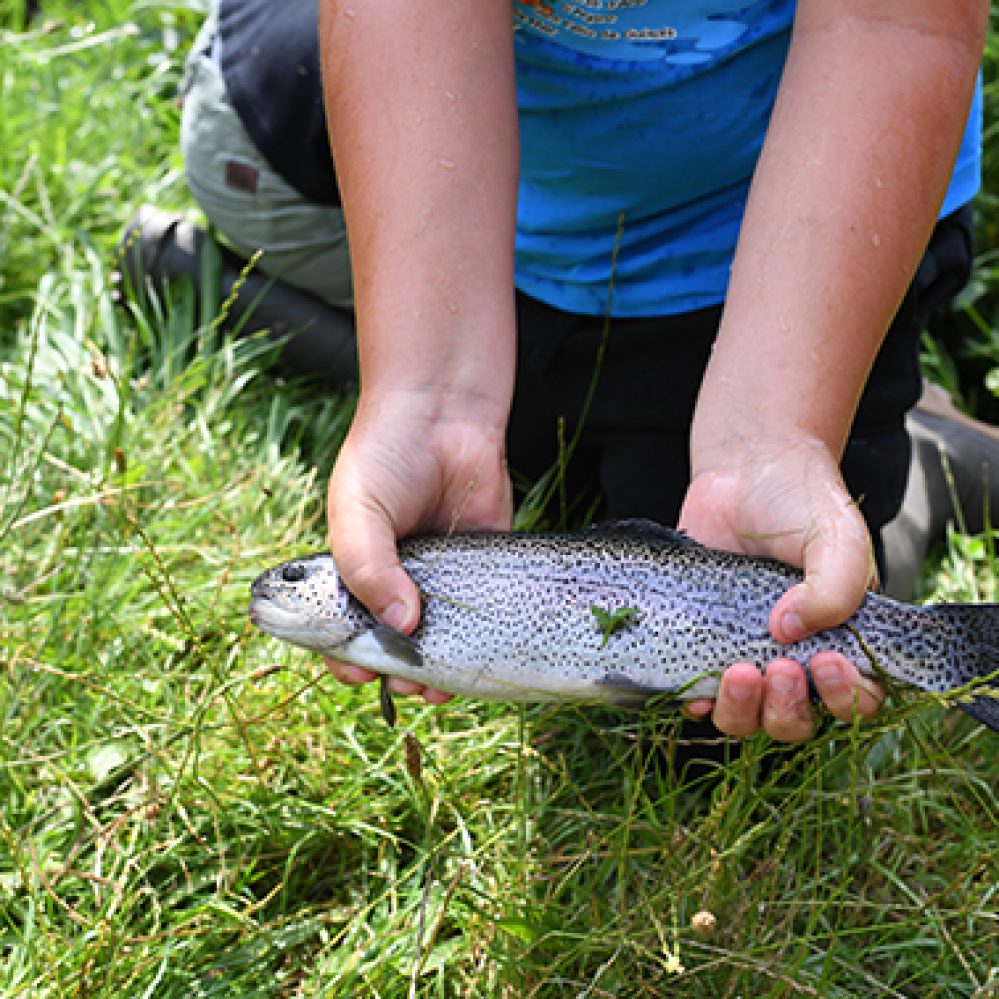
x=741 y=692
x=792 y=626
x=395 y=615
x=782 y=683
x=827 y=675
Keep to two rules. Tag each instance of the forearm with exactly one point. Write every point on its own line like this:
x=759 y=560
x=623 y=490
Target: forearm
x=856 y=162
x=422 y=117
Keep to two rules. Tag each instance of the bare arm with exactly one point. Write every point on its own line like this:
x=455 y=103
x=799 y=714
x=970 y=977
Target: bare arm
x=422 y=117
x=856 y=162
x=857 y=159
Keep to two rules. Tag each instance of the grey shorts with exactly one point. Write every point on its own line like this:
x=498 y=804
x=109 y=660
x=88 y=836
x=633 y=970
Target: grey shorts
x=302 y=243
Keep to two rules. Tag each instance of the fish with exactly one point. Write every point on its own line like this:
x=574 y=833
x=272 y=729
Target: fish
x=613 y=614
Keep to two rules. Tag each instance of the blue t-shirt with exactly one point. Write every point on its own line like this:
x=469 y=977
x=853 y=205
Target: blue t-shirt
x=655 y=110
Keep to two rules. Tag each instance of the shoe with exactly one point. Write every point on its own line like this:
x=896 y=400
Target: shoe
x=953 y=475
x=159 y=246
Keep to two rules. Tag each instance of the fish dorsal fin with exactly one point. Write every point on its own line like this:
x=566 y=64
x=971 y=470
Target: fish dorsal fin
x=643 y=527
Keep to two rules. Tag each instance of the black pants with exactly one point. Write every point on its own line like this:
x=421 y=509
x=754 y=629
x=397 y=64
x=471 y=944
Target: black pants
x=633 y=457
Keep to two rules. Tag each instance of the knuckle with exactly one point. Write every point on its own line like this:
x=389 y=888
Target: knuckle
x=829 y=605
x=853 y=706
x=363 y=577
x=793 y=724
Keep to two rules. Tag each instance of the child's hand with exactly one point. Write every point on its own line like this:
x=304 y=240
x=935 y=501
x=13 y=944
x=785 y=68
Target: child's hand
x=787 y=501
x=404 y=468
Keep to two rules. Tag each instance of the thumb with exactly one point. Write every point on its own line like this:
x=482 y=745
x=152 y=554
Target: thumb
x=370 y=568
x=839 y=567
x=364 y=550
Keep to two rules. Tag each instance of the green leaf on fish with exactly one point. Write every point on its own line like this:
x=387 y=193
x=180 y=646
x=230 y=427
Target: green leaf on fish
x=611 y=621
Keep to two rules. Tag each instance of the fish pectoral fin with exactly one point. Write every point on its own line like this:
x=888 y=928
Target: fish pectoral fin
x=624 y=689
x=396 y=645
x=386 y=703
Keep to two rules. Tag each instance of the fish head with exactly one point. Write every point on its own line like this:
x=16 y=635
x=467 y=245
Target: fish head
x=305 y=602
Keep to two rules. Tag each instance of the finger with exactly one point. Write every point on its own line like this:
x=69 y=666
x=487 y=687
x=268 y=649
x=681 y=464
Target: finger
x=432 y=696
x=349 y=673
x=354 y=675
x=838 y=565
x=787 y=715
x=404 y=688
x=844 y=691
x=697 y=710
x=737 y=706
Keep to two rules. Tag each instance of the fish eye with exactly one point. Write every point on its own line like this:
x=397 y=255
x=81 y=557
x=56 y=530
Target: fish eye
x=293 y=572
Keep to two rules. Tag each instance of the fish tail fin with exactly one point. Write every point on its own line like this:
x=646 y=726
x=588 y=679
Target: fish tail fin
x=974 y=655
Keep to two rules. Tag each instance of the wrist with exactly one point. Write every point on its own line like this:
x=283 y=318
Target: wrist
x=447 y=371
x=762 y=395
x=426 y=406
x=724 y=438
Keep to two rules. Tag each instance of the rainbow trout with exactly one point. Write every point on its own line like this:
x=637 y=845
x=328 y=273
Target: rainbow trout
x=614 y=614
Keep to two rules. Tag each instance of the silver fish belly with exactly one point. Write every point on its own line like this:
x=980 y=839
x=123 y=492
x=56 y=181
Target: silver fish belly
x=610 y=614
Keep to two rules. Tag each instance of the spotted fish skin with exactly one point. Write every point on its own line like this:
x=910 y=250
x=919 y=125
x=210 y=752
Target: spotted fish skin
x=511 y=617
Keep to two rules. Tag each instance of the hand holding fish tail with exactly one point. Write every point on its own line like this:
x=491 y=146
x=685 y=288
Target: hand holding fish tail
x=401 y=471
x=788 y=502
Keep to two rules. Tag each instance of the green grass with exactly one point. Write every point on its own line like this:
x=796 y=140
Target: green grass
x=179 y=818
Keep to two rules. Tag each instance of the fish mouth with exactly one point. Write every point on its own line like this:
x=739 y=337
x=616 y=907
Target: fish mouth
x=253 y=611
x=276 y=620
